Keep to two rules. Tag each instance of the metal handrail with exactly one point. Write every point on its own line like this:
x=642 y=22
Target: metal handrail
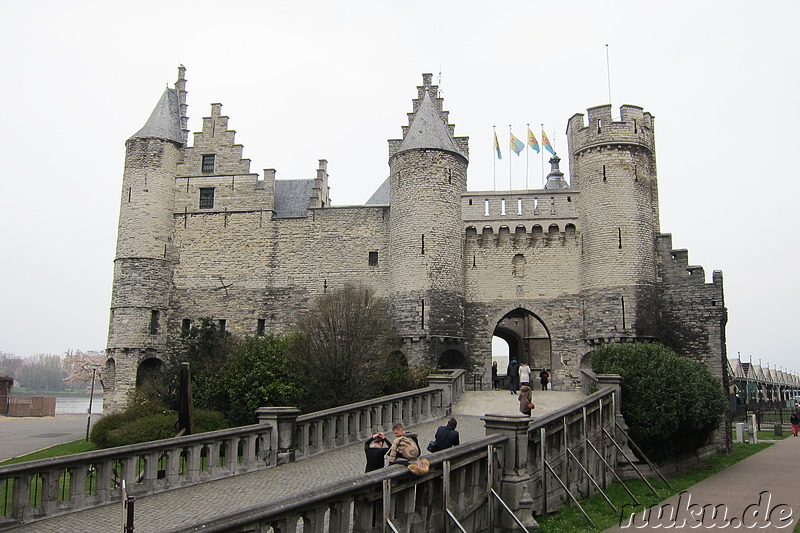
x=458 y=524
x=630 y=462
x=651 y=465
x=589 y=476
x=509 y=510
x=569 y=493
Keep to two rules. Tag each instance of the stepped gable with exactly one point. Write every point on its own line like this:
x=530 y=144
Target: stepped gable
x=165 y=120
x=428 y=128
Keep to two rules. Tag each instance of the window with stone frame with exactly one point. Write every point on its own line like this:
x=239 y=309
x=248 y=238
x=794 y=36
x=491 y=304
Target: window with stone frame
x=373 y=259
x=206 y=197
x=208 y=163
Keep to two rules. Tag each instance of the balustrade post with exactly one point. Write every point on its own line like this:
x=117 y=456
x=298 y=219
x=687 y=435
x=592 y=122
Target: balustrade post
x=514 y=475
x=445 y=384
x=283 y=421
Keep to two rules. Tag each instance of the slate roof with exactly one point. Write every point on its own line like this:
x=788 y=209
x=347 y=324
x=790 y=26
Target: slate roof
x=428 y=130
x=292 y=198
x=381 y=195
x=165 y=120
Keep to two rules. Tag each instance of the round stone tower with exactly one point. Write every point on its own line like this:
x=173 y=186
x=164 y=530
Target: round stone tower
x=137 y=338
x=428 y=175
x=613 y=166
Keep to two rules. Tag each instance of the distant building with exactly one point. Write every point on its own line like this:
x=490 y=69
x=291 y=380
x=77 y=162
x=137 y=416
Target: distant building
x=554 y=271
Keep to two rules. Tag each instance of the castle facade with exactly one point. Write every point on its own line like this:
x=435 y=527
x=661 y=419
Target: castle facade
x=553 y=271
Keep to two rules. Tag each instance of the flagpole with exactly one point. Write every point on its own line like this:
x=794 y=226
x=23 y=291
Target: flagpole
x=527 y=146
x=494 y=161
x=542 y=152
x=509 y=157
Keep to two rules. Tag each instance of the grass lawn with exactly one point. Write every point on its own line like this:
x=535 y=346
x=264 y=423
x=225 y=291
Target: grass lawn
x=570 y=520
x=58 y=450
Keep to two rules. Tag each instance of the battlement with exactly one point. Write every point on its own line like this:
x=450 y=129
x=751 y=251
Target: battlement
x=635 y=127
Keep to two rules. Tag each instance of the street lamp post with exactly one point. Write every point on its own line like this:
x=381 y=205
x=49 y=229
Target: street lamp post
x=91 y=397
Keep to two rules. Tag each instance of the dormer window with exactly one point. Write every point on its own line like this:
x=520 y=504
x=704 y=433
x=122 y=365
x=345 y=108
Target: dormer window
x=208 y=164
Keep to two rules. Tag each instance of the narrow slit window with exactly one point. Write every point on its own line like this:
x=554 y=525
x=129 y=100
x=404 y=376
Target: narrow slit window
x=373 y=259
x=261 y=326
x=519 y=206
x=486 y=208
x=186 y=326
x=154 y=321
x=503 y=207
x=223 y=325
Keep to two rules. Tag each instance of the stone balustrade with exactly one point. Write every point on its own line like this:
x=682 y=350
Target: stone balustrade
x=48 y=487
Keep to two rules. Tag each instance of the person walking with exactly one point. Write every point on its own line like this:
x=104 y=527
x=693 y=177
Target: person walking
x=513 y=376
x=446 y=437
x=525 y=400
x=375 y=449
x=544 y=377
x=494 y=375
x=525 y=374
x=794 y=420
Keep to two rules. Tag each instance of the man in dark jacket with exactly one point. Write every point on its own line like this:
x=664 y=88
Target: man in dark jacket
x=513 y=376
x=446 y=437
x=375 y=448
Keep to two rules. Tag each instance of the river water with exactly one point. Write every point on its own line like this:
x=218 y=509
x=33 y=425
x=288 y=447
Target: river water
x=70 y=405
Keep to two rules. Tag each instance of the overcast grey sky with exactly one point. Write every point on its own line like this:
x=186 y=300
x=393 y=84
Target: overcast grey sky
x=302 y=81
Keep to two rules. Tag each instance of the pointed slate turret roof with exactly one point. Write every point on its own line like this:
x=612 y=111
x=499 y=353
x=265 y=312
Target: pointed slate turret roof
x=165 y=120
x=428 y=130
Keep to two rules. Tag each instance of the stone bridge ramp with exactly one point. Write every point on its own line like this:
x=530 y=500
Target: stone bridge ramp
x=184 y=507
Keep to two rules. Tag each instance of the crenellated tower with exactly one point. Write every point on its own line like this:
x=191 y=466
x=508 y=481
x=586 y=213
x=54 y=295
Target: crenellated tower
x=140 y=298
x=613 y=166
x=428 y=175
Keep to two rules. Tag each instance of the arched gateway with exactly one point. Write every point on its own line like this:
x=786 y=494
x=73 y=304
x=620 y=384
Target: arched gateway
x=527 y=337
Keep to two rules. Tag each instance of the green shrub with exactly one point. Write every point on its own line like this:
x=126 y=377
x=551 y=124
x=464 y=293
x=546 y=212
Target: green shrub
x=123 y=428
x=404 y=378
x=671 y=404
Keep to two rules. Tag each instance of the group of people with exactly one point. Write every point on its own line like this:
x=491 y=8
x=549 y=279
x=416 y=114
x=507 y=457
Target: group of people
x=405 y=449
x=519 y=375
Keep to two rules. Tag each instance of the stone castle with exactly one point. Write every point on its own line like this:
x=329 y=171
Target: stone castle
x=553 y=271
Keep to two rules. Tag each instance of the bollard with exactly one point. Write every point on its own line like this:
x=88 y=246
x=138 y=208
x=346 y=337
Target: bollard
x=740 y=432
x=129 y=515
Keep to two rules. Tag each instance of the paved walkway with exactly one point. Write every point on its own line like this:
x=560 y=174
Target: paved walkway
x=774 y=470
x=23 y=435
x=761 y=493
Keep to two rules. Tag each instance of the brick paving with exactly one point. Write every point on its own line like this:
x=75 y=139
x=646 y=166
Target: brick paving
x=774 y=470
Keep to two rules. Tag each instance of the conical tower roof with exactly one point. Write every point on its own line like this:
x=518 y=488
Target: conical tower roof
x=165 y=120
x=428 y=130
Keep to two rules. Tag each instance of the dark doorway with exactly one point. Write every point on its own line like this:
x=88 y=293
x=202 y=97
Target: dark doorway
x=452 y=359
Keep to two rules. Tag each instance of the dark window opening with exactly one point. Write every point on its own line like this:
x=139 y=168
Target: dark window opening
x=206 y=197
x=208 y=164
x=619 y=233
x=604 y=173
x=373 y=259
x=186 y=325
x=154 y=319
x=423 y=244
x=222 y=325
x=261 y=327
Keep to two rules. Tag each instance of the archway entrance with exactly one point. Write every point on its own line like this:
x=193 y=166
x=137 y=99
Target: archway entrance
x=452 y=359
x=148 y=372
x=527 y=337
